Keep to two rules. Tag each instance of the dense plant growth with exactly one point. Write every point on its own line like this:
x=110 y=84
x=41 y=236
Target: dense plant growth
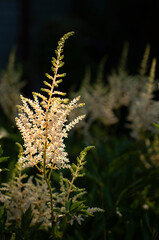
x=42 y=194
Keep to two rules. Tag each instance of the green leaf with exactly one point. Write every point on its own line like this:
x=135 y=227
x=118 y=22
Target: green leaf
x=33 y=229
x=13 y=236
x=76 y=205
x=86 y=212
x=156 y=125
x=67 y=205
x=57 y=210
x=3 y=159
x=131 y=189
x=3 y=218
x=58 y=233
x=74 y=167
x=26 y=219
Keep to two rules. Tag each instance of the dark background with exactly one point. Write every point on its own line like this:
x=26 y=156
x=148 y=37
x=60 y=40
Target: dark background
x=101 y=28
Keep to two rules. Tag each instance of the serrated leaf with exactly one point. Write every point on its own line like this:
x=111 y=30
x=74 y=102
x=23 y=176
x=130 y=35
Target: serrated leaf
x=76 y=205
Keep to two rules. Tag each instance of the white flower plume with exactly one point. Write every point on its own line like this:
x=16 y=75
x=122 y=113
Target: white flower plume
x=43 y=124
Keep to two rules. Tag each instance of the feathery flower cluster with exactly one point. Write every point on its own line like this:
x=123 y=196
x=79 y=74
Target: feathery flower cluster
x=45 y=131
x=144 y=110
x=72 y=195
x=10 y=88
x=22 y=192
x=134 y=92
x=98 y=103
x=43 y=124
x=18 y=194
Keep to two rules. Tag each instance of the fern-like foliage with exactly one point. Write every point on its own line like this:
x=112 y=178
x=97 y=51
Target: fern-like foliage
x=69 y=201
x=143 y=109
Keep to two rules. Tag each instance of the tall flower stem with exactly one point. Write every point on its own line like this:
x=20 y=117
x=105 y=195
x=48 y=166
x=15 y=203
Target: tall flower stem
x=51 y=201
x=50 y=190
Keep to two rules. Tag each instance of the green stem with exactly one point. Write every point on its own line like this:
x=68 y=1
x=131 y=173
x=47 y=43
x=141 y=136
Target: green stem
x=51 y=200
x=102 y=204
x=64 y=228
x=50 y=190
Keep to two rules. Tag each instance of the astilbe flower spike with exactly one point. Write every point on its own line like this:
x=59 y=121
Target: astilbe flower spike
x=10 y=87
x=43 y=124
